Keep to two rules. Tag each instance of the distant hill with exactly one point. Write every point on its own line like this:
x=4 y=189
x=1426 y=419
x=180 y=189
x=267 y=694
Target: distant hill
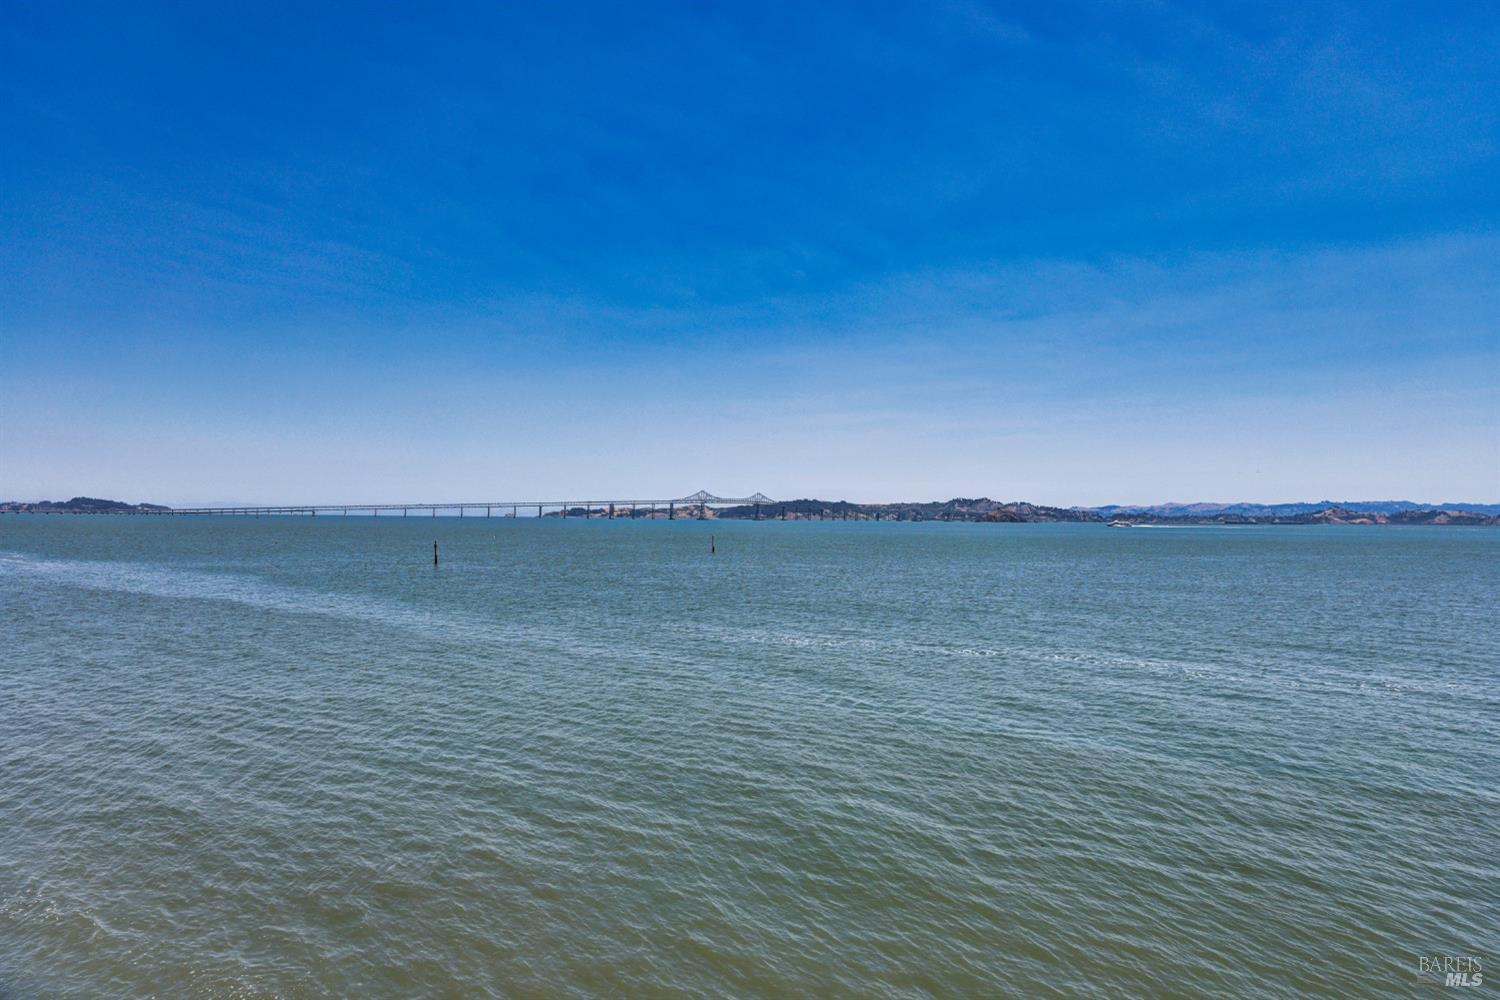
x=957 y=509
x=995 y=511
x=1019 y=512
x=78 y=505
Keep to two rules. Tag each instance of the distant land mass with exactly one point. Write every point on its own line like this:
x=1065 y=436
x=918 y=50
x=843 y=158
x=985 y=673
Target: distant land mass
x=1285 y=509
x=1015 y=512
x=978 y=509
x=79 y=505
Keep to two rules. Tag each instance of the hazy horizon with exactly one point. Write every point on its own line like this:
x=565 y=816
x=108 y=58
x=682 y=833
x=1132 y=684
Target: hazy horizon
x=602 y=496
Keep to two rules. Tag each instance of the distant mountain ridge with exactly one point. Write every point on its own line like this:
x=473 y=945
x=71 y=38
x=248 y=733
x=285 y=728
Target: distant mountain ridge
x=1321 y=515
x=1201 y=509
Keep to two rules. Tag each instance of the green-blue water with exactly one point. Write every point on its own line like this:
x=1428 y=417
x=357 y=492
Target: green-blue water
x=287 y=757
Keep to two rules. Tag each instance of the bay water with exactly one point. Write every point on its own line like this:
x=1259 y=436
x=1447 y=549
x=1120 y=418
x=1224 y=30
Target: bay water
x=289 y=757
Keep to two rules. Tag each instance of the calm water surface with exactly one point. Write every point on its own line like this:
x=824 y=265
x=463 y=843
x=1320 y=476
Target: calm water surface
x=287 y=757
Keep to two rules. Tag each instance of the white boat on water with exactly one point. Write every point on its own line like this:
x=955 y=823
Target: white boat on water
x=1121 y=524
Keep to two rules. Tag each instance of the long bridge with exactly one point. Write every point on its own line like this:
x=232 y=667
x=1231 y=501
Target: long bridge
x=694 y=505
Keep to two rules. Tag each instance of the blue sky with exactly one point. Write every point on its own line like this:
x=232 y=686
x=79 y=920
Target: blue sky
x=1070 y=253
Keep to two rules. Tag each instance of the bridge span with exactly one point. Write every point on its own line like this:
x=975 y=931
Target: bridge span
x=695 y=505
